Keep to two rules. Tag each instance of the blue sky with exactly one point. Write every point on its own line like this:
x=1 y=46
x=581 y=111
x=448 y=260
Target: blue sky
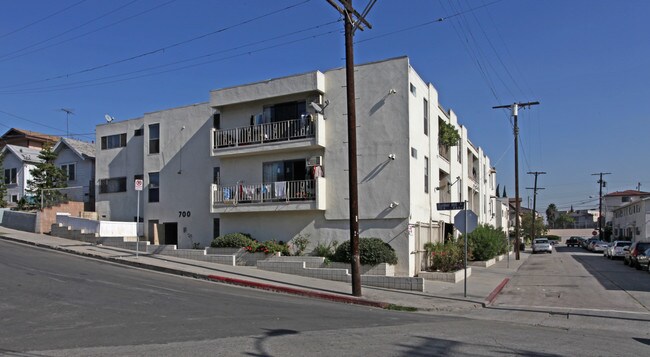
x=586 y=61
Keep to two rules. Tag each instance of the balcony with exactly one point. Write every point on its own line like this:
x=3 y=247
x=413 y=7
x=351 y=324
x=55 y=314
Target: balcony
x=288 y=135
x=303 y=195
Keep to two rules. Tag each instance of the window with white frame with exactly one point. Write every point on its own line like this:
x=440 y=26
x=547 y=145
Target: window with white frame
x=154 y=187
x=112 y=185
x=113 y=141
x=154 y=138
x=426 y=174
x=426 y=117
x=11 y=176
x=69 y=170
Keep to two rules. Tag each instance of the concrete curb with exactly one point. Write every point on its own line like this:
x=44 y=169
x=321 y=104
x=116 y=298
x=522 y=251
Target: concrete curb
x=216 y=278
x=493 y=295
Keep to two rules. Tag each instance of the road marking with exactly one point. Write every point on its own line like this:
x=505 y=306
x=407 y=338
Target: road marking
x=573 y=309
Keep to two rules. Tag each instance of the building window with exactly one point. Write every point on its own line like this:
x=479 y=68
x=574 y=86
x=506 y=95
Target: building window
x=154 y=187
x=11 y=176
x=137 y=132
x=154 y=138
x=426 y=117
x=426 y=174
x=14 y=198
x=69 y=170
x=413 y=90
x=112 y=185
x=414 y=153
x=113 y=141
x=216 y=175
x=216 y=121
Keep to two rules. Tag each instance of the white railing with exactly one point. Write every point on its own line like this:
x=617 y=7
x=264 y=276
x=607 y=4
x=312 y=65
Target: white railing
x=264 y=133
x=280 y=191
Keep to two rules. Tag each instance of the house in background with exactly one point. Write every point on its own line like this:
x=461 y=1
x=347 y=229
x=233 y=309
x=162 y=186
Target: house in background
x=77 y=159
x=630 y=221
x=26 y=138
x=614 y=200
x=18 y=161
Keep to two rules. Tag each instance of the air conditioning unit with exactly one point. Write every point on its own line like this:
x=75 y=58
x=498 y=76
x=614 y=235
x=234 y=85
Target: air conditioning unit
x=315 y=161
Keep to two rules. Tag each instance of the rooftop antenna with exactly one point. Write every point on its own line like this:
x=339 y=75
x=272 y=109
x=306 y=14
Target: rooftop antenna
x=108 y=118
x=67 y=111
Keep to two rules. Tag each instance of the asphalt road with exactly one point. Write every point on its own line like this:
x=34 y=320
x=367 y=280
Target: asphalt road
x=54 y=304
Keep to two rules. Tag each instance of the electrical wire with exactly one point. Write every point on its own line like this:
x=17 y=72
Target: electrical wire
x=78 y=84
x=9 y=56
x=93 y=31
x=33 y=122
x=165 y=48
x=41 y=19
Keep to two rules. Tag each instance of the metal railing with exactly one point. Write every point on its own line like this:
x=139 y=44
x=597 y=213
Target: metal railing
x=264 y=133
x=280 y=191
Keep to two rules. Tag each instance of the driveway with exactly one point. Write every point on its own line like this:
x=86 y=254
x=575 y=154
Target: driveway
x=573 y=278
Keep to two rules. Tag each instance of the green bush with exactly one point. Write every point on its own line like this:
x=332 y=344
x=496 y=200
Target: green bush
x=445 y=257
x=300 y=243
x=232 y=240
x=268 y=247
x=372 y=251
x=485 y=243
x=325 y=250
x=553 y=237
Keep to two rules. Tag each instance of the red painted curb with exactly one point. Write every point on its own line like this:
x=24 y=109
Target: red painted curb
x=496 y=291
x=293 y=291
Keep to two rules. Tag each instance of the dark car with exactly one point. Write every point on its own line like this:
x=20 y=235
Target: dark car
x=633 y=251
x=644 y=259
x=573 y=242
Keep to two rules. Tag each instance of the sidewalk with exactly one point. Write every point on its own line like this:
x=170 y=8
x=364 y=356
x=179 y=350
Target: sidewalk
x=438 y=296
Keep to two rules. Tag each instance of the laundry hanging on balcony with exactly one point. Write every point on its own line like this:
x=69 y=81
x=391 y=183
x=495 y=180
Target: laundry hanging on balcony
x=280 y=189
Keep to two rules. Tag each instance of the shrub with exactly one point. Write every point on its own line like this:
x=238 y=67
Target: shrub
x=553 y=237
x=485 y=242
x=372 y=251
x=445 y=257
x=325 y=250
x=268 y=247
x=232 y=240
x=300 y=243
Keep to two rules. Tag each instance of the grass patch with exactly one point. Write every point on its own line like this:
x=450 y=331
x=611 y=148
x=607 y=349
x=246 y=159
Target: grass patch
x=401 y=308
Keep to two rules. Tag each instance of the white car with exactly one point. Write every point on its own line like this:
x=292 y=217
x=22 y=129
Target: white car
x=599 y=247
x=616 y=249
x=542 y=245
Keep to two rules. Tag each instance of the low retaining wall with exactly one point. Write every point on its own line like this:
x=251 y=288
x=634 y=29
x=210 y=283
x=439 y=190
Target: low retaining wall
x=22 y=221
x=452 y=277
x=483 y=263
x=194 y=254
x=242 y=257
x=299 y=268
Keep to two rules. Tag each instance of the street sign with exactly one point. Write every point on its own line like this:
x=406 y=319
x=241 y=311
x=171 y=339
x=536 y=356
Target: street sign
x=139 y=184
x=449 y=206
x=463 y=217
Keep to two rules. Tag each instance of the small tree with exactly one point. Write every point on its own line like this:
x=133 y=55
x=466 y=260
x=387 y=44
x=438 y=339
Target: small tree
x=46 y=176
x=526 y=226
x=447 y=134
x=3 y=186
x=564 y=220
x=551 y=215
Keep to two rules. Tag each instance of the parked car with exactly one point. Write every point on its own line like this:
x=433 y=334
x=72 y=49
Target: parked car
x=644 y=259
x=573 y=242
x=590 y=245
x=587 y=242
x=616 y=250
x=599 y=247
x=542 y=245
x=633 y=251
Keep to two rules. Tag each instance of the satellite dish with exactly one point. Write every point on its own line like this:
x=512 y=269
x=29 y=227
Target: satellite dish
x=108 y=118
x=316 y=107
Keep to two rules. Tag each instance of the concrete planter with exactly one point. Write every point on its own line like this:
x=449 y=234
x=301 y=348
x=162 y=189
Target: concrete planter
x=382 y=269
x=242 y=257
x=451 y=277
x=483 y=263
x=224 y=251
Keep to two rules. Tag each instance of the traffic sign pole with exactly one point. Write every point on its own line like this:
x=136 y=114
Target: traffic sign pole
x=465 y=235
x=138 y=187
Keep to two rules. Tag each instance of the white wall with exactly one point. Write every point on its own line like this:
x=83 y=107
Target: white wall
x=22 y=175
x=83 y=173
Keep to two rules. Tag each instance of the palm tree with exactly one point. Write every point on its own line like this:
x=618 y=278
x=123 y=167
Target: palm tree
x=551 y=215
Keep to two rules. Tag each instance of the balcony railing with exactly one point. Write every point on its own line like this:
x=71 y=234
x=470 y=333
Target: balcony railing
x=264 y=133
x=280 y=191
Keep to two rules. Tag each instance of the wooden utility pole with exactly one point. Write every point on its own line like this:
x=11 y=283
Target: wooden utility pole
x=535 y=189
x=349 y=13
x=515 y=111
x=600 y=202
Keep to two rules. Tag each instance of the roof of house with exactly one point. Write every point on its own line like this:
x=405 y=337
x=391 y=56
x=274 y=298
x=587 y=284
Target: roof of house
x=14 y=133
x=627 y=193
x=23 y=153
x=81 y=148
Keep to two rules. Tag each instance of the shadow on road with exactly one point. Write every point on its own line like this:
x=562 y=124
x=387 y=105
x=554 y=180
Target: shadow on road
x=431 y=346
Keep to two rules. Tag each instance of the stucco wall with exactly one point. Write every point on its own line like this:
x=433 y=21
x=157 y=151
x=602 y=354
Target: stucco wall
x=83 y=174
x=22 y=221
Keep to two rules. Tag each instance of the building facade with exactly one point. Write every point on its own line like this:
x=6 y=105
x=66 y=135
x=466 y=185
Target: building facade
x=17 y=164
x=77 y=159
x=270 y=159
x=630 y=221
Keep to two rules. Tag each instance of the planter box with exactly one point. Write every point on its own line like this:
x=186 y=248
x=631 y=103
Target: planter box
x=451 y=277
x=382 y=269
x=483 y=263
x=224 y=251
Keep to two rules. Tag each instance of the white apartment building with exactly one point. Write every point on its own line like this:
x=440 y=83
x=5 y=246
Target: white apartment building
x=17 y=164
x=630 y=221
x=261 y=159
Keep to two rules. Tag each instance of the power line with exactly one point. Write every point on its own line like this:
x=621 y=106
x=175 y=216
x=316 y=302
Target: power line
x=4 y=58
x=95 y=30
x=90 y=82
x=33 y=121
x=41 y=19
x=162 y=49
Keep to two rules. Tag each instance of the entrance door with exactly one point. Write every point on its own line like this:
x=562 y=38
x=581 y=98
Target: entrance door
x=171 y=233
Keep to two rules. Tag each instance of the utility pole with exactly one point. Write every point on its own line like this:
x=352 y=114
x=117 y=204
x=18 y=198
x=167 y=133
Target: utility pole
x=67 y=111
x=349 y=13
x=536 y=173
x=600 y=202
x=515 y=112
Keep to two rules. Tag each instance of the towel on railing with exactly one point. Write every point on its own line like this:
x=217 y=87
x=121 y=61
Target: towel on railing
x=266 y=188
x=280 y=189
x=226 y=193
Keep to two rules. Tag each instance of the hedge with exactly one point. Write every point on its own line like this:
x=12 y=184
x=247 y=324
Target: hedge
x=372 y=251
